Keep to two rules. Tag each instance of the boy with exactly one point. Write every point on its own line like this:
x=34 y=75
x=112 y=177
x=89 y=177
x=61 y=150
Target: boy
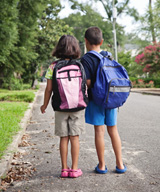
x=96 y=115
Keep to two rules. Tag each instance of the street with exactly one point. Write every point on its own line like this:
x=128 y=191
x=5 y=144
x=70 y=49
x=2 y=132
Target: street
x=139 y=128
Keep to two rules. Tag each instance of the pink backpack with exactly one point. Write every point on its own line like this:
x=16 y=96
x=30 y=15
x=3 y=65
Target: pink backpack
x=69 y=86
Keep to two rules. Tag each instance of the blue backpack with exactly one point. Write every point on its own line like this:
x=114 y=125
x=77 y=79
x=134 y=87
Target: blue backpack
x=112 y=86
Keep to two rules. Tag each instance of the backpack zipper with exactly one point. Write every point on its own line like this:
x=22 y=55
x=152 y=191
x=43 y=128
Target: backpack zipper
x=69 y=77
x=67 y=70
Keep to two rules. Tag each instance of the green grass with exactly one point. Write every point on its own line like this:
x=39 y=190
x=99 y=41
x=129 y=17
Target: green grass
x=26 y=96
x=4 y=90
x=13 y=105
x=11 y=114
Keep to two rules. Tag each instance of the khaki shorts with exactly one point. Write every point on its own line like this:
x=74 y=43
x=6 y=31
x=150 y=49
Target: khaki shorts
x=69 y=123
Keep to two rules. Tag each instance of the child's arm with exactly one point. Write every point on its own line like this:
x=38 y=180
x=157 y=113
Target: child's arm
x=88 y=83
x=47 y=95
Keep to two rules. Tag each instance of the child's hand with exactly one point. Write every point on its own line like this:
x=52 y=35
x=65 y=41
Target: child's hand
x=43 y=109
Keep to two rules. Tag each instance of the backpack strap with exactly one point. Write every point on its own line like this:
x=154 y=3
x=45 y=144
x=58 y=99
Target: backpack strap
x=96 y=54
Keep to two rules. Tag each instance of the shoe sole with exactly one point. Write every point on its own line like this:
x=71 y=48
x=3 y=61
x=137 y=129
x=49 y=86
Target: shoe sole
x=75 y=176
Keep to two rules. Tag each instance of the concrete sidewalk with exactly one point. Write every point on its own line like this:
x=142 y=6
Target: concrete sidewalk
x=39 y=167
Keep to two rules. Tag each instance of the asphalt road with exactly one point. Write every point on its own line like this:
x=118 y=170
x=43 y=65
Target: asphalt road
x=139 y=128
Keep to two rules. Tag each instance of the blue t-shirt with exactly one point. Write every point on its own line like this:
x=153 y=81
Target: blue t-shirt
x=90 y=63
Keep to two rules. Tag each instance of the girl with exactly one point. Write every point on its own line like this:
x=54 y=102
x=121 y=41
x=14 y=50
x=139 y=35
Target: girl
x=68 y=125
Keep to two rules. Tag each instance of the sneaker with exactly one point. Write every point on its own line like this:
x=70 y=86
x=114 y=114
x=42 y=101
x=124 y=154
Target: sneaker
x=65 y=172
x=75 y=173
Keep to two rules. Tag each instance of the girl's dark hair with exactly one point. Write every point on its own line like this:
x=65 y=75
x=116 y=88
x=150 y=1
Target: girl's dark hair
x=94 y=35
x=67 y=47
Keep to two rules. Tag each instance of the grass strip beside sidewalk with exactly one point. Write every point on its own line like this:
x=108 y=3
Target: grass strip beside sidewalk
x=26 y=96
x=11 y=114
x=10 y=117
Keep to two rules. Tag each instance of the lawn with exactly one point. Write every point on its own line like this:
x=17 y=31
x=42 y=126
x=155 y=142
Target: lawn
x=26 y=96
x=13 y=105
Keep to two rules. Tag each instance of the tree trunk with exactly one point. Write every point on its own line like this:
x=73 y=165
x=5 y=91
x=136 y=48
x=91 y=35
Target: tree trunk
x=151 y=21
x=1 y=75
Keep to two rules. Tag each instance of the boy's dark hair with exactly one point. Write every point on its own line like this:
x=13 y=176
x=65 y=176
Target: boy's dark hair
x=94 y=35
x=67 y=47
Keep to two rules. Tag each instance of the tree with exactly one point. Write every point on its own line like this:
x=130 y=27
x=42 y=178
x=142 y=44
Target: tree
x=150 y=59
x=156 y=16
x=8 y=35
x=122 y=7
x=29 y=31
x=87 y=17
x=51 y=28
x=80 y=22
x=48 y=30
x=150 y=23
x=22 y=52
x=133 y=38
x=125 y=59
x=106 y=25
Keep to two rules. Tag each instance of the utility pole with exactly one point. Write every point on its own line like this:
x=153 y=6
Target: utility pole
x=114 y=15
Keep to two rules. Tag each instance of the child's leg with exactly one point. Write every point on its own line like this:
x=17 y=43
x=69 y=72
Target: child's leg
x=100 y=145
x=64 y=151
x=74 y=151
x=116 y=143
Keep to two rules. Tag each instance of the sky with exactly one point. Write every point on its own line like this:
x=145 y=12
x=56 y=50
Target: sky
x=126 y=21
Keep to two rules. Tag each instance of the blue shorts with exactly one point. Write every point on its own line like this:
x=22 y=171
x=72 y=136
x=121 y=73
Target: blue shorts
x=97 y=115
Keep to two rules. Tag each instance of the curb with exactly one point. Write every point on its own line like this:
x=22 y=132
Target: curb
x=155 y=92
x=5 y=162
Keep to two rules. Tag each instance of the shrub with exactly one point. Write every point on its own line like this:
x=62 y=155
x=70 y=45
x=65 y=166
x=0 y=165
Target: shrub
x=140 y=81
x=13 y=84
x=144 y=83
x=26 y=86
x=150 y=59
x=125 y=59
